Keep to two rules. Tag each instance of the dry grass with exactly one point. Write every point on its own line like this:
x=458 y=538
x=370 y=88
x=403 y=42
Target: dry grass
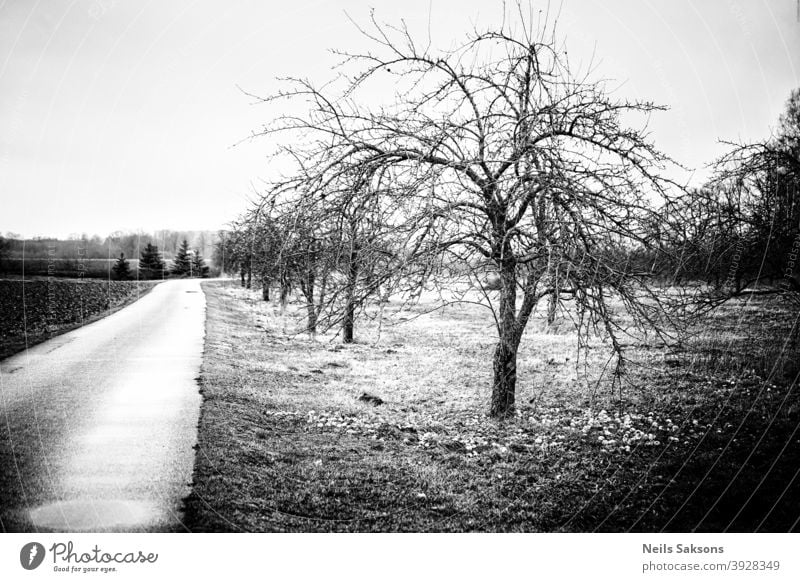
x=758 y=336
x=286 y=444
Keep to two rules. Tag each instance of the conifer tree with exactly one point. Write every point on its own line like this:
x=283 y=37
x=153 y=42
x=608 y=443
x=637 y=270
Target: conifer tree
x=182 y=264
x=199 y=267
x=122 y=268
x=151 y=265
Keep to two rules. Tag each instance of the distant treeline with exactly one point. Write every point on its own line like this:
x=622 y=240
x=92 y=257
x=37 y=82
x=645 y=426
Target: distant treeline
x=93 y=257
x=96 y=247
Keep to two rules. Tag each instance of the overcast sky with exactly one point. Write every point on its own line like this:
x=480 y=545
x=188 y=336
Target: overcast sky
x=122 y=115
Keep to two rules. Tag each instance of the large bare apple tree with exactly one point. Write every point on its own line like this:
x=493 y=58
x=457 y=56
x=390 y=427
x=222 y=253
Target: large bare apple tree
x=500 y=162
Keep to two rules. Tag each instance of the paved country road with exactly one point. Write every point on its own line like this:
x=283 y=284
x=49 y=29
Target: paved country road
x=97 y=426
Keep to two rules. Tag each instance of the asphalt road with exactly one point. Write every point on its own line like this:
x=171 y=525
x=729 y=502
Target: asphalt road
x=97 y=426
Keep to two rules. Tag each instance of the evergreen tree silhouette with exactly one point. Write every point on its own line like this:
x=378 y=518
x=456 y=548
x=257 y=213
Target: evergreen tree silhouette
x=199 y=267
x=122 y=268
x=151 y=265
x=182 y=263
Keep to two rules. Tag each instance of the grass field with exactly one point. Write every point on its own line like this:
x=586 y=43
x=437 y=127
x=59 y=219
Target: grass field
x=705 y=439
x=37 y=309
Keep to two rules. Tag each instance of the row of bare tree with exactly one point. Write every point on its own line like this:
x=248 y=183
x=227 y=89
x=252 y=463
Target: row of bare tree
x=495 y=173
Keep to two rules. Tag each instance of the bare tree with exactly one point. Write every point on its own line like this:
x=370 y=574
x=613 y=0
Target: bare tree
x=307 y=258
x=760 y=182
x=496 y=158
x=367 y=245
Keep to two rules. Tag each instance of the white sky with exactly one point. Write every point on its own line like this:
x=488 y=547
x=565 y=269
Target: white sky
x=121 y=114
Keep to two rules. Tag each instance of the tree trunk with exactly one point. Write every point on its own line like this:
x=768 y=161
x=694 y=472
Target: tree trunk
x=505 y=354
x=350 y=303
x=307 y=287
x=284 y=299
x=552 y=307
x=311 y=326
x=505 y=379
x=249 y=277
x=347 y=326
